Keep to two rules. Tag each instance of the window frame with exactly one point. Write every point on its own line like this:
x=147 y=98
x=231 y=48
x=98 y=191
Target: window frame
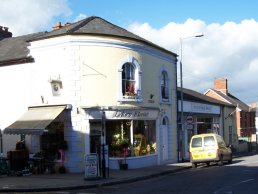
x=137 y=76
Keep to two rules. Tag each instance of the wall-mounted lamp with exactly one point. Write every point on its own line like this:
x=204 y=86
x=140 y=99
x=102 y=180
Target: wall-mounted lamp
x=56 y=86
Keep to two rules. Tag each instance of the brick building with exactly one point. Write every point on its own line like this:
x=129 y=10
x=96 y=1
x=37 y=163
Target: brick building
x=245 y=116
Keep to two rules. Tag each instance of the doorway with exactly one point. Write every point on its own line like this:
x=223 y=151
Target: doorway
x=164 y=143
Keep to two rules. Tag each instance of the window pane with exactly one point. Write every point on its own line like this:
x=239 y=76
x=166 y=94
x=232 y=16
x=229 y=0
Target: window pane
x=209 y=141
x=144 y=138
x=128 y=80
x=197 y=142
x=164 y=85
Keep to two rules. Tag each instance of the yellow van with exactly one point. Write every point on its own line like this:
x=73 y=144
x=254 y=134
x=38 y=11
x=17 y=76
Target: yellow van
x=206 y=148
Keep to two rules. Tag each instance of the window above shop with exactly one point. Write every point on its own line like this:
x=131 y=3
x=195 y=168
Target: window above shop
x=164 y=86
x=129 y=75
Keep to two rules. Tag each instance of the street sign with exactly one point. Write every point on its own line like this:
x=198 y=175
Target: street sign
x=189 y=119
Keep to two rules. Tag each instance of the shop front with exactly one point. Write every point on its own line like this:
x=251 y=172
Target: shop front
x=130 y=134
x=42 y=142
x=200 y=118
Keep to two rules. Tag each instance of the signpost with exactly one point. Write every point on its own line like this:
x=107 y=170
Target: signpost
x=189 y=119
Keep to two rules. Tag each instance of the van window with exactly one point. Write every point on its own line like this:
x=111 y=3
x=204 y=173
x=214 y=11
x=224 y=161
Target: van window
x=197 y=142
x=209 y=141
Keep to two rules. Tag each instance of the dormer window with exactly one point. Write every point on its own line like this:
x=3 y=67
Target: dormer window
x=129 y=78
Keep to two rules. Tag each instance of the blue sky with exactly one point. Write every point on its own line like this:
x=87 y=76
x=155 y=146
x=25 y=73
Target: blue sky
x=160 y=12
x=228 y=49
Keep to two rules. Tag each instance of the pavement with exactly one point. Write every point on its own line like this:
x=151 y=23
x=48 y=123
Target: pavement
x=73 y=181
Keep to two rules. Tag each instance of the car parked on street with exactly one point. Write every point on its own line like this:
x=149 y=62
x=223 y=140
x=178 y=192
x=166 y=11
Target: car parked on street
x=210 y=147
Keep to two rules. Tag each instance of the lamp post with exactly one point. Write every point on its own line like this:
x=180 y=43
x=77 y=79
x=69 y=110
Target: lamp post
x=103 y=127
x=181 y=92
x=1 y=145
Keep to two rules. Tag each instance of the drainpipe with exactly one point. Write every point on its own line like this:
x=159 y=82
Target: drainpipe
x=1 y=145
x=177 y=116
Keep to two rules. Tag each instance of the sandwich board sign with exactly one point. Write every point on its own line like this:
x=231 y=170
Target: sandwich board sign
x=91 y=166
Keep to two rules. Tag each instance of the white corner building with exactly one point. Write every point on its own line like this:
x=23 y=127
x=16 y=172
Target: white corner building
x=86 y=80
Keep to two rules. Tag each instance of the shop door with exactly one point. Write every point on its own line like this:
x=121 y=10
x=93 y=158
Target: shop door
x=95 y=142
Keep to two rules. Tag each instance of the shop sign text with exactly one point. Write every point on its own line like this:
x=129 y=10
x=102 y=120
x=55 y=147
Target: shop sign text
x=133 y=114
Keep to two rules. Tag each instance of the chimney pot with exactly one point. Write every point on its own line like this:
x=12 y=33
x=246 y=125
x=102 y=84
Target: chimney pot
x=4 y=33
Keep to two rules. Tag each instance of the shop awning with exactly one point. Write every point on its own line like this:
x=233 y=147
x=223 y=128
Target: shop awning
x=35 y=120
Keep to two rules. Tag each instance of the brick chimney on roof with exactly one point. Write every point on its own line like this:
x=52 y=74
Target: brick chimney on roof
x=60 y=25
x=221 y=84
x=4 y=33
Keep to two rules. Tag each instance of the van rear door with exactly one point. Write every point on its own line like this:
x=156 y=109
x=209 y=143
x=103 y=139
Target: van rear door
x=210 y=147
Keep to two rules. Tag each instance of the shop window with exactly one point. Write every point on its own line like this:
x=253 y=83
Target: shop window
x=129 y=75
x=204 y=125
x=130 y=138
x=164 y=86
x=144 y=140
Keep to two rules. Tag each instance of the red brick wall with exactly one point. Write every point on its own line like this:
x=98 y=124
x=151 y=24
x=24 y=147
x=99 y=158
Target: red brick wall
x=221 y=84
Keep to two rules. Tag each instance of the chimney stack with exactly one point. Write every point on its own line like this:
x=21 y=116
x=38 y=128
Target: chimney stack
x=60 y=25
x=4 y=33
x=221 y=84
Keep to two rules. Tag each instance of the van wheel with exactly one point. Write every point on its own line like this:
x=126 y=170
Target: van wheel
x=230 y=160
x=220 y=163
x=207 y=163
x=194 y=165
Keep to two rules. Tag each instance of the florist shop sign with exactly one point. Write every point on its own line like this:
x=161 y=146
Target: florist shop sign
x=126 y=114
x=132 y=114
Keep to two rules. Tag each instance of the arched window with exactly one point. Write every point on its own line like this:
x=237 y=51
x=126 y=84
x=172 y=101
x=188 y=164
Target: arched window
x=164 y=86
x=128 y=80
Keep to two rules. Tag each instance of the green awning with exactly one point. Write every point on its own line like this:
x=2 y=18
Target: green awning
x=35 y=120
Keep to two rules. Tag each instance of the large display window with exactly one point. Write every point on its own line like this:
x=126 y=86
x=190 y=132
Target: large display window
x=131 y=138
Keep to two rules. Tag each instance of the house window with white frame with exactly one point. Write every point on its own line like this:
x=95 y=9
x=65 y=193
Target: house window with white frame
x=129 y=84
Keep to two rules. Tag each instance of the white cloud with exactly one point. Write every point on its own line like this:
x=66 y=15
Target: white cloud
x=28 y=16
x=81 y=16
x=227 y=50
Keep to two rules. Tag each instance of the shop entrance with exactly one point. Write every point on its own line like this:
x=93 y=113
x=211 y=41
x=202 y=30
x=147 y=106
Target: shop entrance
x=95 y=137
x=204 y=125
x=53 y=141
